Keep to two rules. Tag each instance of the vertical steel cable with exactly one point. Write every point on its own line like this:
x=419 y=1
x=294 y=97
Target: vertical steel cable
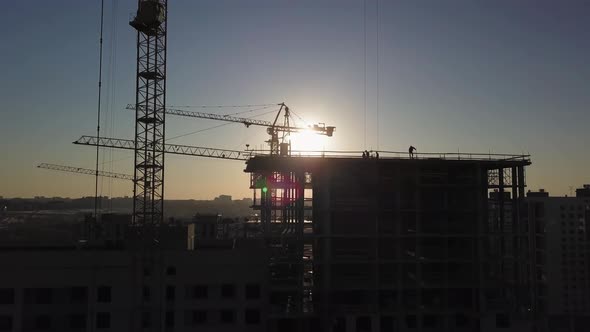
x=96 y=199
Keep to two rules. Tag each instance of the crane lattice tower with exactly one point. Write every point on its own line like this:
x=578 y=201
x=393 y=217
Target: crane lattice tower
x=150 y=99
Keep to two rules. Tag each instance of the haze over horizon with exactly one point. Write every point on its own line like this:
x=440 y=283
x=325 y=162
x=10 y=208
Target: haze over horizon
x=503 y=77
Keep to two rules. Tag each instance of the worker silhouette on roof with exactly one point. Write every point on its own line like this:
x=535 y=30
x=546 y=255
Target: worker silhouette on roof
x=411 y=151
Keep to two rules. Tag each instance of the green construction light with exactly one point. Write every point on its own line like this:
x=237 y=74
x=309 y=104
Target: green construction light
x=264 y=189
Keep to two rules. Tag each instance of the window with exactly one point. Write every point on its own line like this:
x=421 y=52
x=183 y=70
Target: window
x=43 y=295
x=77 y=321
x=103 y=294
x=146 y=272
x=386 y=324
x=200 y=292
x=252 y=291
x=228 y=290
x=502 y=321
x=146 y=294
x=103 y=320
x=199 y=316
x=5 y=323
x=170 y=293
x=411 y=321
x=146 y=319
x=461 y=320
x=339 y=325
x=429 y=321
x=6 y=296
x=43 y=322
x=170 y=319
x=252 y=316
x=171 y=270
x=78 y=294
x=227 y=316
x=363 y=323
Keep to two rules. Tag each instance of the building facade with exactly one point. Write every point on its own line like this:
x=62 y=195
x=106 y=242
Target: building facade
x=69 y=289
x=566 y=269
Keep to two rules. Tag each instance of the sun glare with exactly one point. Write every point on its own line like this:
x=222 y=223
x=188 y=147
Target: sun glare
x=307 y=141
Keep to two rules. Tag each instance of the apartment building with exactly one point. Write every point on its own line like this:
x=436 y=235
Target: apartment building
x=566 y=271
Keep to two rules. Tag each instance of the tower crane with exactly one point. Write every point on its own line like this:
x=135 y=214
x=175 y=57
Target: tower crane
x=274 y=129
x=127 y=144
x=86 y=171
x=150 y=23
x=187 y=150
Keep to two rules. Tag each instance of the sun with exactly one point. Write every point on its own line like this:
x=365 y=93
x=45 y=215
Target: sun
x=306 y=141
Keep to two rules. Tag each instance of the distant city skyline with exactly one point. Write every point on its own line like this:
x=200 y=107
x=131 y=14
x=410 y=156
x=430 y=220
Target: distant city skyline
x=502 y=77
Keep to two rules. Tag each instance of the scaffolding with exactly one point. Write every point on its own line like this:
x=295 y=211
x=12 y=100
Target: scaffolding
x=285 y=217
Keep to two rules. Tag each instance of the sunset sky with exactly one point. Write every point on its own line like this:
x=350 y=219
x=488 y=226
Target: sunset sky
x=500 y=76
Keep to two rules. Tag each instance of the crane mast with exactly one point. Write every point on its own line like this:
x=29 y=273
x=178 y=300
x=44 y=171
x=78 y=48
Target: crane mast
x=281 y=147
x=150 y=100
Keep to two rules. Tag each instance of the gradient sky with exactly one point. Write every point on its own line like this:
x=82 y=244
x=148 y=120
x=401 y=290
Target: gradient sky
x=499 y=76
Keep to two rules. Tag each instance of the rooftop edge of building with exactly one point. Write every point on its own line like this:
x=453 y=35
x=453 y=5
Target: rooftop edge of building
x=312 y=162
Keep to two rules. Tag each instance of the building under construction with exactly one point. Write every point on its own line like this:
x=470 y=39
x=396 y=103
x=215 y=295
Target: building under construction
x=396 y=244
x=342 y=243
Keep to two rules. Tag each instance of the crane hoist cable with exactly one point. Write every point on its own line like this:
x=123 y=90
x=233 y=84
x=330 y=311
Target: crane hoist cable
x=214 y=127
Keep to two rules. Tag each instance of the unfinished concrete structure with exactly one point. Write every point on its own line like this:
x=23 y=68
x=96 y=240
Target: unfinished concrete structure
x=396 y=244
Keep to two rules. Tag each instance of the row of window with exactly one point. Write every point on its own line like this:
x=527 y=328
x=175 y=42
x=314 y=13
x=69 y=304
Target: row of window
x=388 y=323
x=572 y=270
x=572 y=256
x=103 y=293
x=574 y=277
x=170 y=271
x=47 y=295
x=572 y=247
x=572 y=262
x=573 y=287
x=224 y=316
x=572 y=216
x=564 y=232
x=45 y=322
x=572 y=207
x=226 y=291
x=103 y=319
x=572 y=239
